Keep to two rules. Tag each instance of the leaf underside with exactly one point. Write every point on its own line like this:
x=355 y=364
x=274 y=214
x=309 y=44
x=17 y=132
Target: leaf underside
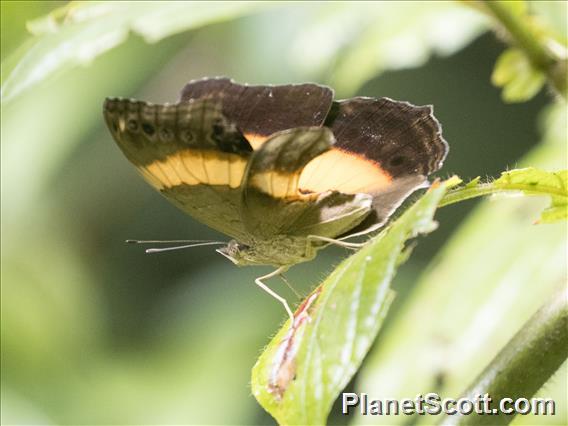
x=302 y=370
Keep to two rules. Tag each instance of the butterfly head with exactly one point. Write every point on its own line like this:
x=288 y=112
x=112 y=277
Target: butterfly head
x=234 y=251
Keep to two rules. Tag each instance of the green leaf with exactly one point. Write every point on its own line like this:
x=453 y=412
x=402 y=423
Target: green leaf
x=536 y=54
x=301 y=372
x=530 y=181
x=482 y=286
x=519 y=371
x=81 y=31
x=354 y=44
x=518 y=78
x=517 y=7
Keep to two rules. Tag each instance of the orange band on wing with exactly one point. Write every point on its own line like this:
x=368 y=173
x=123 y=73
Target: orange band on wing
x=280 y=185
x=255 y=139
x=194 y=167
x=345 y=172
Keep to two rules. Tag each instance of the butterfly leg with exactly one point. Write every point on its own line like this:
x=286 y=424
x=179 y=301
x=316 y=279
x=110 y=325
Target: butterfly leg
x=367 y=231
x=336 y=242
x=263 y=286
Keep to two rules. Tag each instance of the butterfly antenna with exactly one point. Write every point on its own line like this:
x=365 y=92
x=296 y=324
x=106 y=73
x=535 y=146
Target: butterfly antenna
x=193 y=243
x=207 y=243
x=168 y=241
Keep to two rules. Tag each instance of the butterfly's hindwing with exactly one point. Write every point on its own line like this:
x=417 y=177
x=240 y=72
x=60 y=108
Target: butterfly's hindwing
x=384 y=148
x=331 y=214
x=274 y=203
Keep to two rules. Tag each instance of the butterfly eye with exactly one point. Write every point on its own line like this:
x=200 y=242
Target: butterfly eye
x=148 y=129
x=397 y=161
x=132 y=125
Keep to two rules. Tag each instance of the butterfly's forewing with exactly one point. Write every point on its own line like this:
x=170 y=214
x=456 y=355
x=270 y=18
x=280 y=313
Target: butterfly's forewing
x=260 y=111
x=383 y=148
x=189 y=152
x=273 y=203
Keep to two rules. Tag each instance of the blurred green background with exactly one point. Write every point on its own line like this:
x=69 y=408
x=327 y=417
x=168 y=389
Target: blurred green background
x=95 y=331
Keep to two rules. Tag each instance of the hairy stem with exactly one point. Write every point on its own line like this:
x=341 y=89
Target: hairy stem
x=465 y=193
x=525 y=364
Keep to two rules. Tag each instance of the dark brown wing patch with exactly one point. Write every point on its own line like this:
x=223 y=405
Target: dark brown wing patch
x=402 y=138
x=259 y=111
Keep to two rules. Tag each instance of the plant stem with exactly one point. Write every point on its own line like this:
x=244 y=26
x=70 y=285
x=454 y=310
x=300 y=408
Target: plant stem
x=540 y=57
x=525 y=364
x=461 y=194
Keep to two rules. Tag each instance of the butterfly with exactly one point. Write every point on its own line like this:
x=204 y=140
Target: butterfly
x=283 y=170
